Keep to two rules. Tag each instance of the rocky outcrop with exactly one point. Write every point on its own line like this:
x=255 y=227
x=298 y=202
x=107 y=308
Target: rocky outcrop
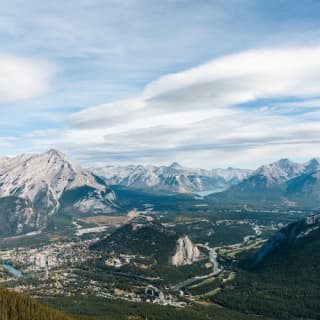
x=186 y=252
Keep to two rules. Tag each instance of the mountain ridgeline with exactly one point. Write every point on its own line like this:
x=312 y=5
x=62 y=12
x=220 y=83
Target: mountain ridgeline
x=173 y=178
x=282 y=182
x=35 y=187
x=111 y=233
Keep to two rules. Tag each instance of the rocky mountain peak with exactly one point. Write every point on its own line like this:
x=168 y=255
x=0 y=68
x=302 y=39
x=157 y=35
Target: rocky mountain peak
x=56 y=153
x=186 y=252
x=312 y=165
x=280 y=171
x=285 y=163
x=175 y=165
x=46 y=175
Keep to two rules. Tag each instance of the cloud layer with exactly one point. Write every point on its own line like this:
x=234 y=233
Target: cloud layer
x=231 y=110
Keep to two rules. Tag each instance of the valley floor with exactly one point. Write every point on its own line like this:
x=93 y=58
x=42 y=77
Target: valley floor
x=63 y=271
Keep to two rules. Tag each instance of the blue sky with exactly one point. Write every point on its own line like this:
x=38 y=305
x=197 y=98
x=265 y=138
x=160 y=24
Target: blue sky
x=206 y=83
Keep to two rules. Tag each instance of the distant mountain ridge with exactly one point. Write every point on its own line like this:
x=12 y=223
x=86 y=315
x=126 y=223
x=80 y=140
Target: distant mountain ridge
x=279 y=181
x=34 y=187
x=173 y=178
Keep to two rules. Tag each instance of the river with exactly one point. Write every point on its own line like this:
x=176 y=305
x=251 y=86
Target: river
x=213 y=257
x=15 y=272
x=214 y=260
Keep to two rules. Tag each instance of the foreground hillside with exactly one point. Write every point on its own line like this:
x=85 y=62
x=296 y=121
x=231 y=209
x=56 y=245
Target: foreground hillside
x=15 y=306
x=94 y=308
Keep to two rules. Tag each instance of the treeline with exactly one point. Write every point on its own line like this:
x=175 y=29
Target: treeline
x=15 y=306
x=94 y=308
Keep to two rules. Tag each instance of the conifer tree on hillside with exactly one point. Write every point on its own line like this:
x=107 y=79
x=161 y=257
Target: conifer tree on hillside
x=15 y=306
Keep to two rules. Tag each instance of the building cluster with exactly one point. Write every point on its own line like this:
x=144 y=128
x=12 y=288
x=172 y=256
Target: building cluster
x=47 y=257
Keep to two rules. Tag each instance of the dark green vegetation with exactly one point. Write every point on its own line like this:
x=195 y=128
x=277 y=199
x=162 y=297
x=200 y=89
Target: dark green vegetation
x=149 y=239
x=92 y=308
x=284 y=283
x=15 y=306
x=207 y=231
x=153 y=246
x=162 y=202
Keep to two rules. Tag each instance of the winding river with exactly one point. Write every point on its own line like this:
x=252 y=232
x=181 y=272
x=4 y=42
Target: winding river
x=213 y=257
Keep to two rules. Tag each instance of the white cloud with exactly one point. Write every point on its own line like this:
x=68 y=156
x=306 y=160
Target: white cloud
x=223 y=82
x=241 y=78
x=201 y=113
x=22 y=78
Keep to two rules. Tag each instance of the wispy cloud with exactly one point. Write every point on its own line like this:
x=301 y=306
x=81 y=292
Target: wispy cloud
x=205 y=110
x=223 y=82
x=126 y=59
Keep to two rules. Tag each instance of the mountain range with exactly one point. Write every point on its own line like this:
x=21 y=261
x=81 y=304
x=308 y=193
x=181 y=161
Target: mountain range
x=282 y=181
x=173 y=178
x=35 y=187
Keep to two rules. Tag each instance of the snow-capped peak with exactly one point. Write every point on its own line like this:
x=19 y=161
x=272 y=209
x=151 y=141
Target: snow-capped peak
x=173 y=178
x=312 y=165
x=47 y=175
x=280 y=171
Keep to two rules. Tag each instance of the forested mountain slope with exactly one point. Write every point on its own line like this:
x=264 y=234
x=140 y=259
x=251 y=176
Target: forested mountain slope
x=281 y=280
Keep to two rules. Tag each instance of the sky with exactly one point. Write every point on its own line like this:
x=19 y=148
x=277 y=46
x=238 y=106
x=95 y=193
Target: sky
x=207 y=83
